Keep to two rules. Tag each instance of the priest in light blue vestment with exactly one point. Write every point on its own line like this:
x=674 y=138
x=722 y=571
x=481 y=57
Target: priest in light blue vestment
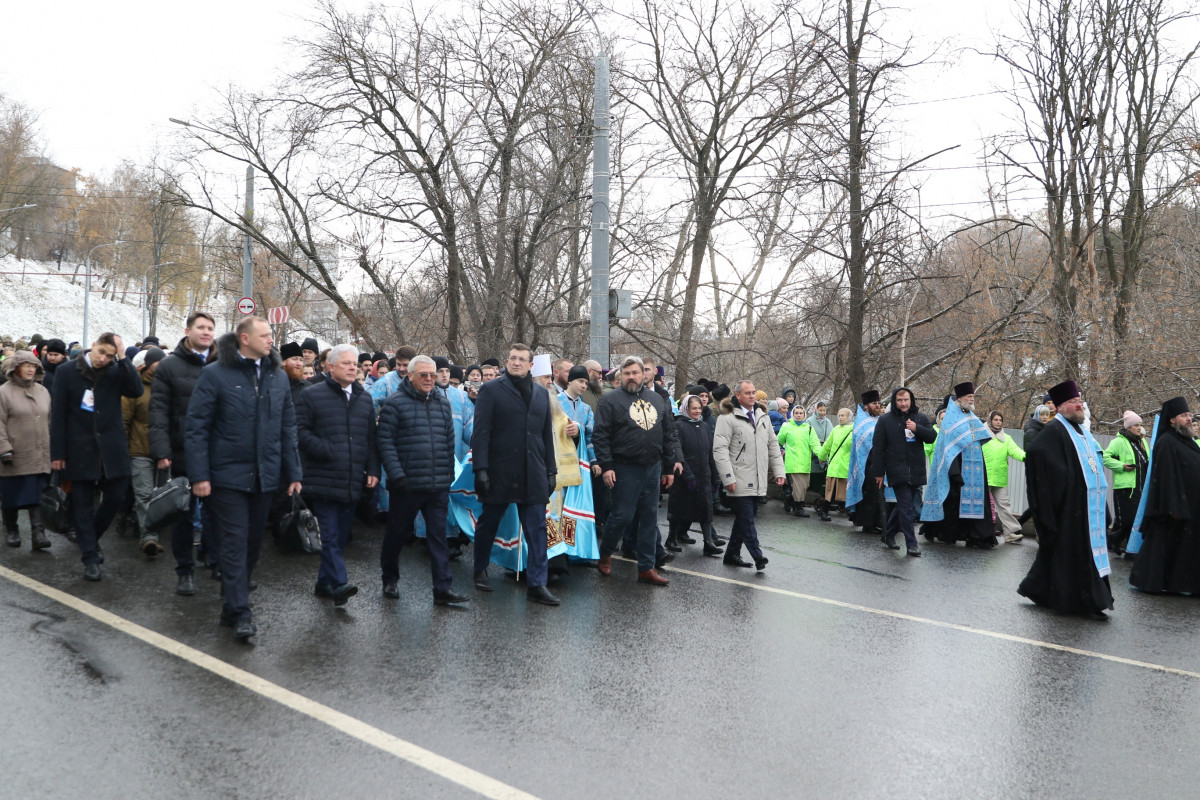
x=958 y=505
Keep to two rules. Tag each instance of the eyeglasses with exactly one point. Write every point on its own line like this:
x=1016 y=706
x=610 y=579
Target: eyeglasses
x=425 y=374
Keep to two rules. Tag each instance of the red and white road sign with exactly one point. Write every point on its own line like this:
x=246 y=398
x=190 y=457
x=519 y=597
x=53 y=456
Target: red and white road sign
x=278 y=315
x=246 y=306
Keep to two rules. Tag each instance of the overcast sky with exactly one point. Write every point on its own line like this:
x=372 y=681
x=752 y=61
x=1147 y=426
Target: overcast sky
x=105 y=76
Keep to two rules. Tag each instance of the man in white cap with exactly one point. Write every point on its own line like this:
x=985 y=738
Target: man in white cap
x=1128 y=456
x=542 y=370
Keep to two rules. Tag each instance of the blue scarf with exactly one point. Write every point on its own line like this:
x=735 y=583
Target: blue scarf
x=1135 y=536
x=961 y=434
x=860 y=447
x=1091 y=463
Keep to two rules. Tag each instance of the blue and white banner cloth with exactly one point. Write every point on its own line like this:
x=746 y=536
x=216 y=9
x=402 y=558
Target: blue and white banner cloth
x=1091 y=463
x=1135 y=535
x=861 y=440
x=570 y=518
x=962 y=434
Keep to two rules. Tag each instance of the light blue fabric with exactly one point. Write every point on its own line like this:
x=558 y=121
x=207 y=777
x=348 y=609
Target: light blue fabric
x=962 y=433
x=384 y=388
x=570 y=518
x=1091 y=463
x=1135 y=536
x=463 y=411
x=581 y=413
x=860 y=447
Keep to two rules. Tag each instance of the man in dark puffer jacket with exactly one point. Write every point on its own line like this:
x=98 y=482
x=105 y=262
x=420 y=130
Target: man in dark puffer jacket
x=416 y=445
x=169 y=396
x=335 y=423
x=241 y=445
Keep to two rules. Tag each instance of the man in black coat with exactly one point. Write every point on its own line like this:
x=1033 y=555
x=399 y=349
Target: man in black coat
x=169 y=397
x=241 y=445
x=54 y=353
x=898 y=453
x=293 y=365
x=513 y=459
x=335 y=422
x=416 y=445
x=88 y=441
x=1070 y=572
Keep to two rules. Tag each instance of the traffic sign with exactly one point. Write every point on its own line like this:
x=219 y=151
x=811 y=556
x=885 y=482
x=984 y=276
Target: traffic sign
x=278 y=315
x=246 y=306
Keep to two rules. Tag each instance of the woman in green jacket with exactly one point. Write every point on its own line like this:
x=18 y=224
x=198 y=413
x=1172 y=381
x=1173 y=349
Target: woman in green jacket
x=799 y=442
x=836 y=453
x=996 y=452
x=1128 y=457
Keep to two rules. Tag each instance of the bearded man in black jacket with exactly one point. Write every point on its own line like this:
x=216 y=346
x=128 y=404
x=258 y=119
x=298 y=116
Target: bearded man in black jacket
x=898 y=454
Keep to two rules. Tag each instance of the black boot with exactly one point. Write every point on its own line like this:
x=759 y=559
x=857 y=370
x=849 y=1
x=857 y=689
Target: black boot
x=40 y=540
x=822 y=509
x=12 y=534
x=671 y=543
x=711 y=548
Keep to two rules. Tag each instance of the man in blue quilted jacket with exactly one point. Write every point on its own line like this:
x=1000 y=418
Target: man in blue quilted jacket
x=416 y=446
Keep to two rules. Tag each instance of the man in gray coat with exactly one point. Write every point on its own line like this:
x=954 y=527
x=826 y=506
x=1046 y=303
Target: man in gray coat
x=746 y=453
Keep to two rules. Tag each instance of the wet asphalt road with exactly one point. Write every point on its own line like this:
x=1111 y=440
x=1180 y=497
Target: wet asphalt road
x=702 y=689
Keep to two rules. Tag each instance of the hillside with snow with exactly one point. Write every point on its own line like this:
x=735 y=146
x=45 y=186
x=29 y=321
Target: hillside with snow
x=47 y=303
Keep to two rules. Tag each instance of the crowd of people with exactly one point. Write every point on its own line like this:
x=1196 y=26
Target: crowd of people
x=558 y=462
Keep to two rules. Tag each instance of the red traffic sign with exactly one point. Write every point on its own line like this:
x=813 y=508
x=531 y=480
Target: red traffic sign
x=278 y=315
x=246 y=306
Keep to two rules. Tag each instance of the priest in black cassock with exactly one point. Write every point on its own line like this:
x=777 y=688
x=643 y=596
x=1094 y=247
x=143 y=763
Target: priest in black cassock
x=957 y=505
x=1066 y=485
x=1169 y=560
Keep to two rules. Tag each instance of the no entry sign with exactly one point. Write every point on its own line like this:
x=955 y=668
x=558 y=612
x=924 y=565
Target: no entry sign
x=278 y=315
x=246 y=306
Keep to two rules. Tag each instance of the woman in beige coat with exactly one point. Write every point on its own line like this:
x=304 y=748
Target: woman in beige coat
x=24 y=446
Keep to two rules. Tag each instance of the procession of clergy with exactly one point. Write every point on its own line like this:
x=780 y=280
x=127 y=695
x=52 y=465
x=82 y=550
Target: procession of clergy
x=1155 y=493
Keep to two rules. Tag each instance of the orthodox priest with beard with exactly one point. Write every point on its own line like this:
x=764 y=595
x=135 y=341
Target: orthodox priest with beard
x=1169 y=559
x=1067 y=488
x=958 y=505
x=293 y=365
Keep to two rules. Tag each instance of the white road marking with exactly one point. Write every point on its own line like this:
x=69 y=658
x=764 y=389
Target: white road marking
x=394 y=745
x=1008 y=637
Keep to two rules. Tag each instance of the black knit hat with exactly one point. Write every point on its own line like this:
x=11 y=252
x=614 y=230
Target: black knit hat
x=721 y=392
x=290 y=350
x=456 y=372
x=490 y=362
x=55 y=346
x=364 y=357
x=441 y=362
x=310 y=344
x=578 y=371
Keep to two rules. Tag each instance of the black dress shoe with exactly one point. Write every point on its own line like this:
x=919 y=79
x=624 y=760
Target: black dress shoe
x=216 y=573
x=667 y=558
x=711 y=550
x=390 y=590
x=890 y=541
x=540 y=594
x=448 y=597
x=735 y=561
x=252 y=585
x=824 y=517
x=673 y=546
x=915 y=553
x=482 y=583
x=91 y=572
x=244 y=629
x=800 y=512
x=455 y=553
x=226 y=622
x=13 y=538
x=684 y=538
x=186 y=585
x=720 y=541
x=761 y=563
x=343 y=593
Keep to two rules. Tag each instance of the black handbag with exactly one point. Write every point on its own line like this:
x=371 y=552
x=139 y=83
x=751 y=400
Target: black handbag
x=300 y=529
x=56 y=506
x=168 y=502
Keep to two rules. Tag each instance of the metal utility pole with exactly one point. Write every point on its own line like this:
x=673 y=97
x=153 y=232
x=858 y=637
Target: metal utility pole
x=598 y=339
x=247 y=242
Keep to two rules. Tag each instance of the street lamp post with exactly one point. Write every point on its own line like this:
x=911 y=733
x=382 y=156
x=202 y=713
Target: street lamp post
x=146 y=296
x=598 y=339
x=87 y=288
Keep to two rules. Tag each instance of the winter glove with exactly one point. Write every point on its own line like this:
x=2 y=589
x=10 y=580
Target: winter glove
x=6 y=458
x=482 y=485
x=398 y=486
x=552 y=479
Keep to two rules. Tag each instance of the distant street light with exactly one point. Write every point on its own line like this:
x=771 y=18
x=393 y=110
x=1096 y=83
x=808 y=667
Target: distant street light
x=87 y=290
